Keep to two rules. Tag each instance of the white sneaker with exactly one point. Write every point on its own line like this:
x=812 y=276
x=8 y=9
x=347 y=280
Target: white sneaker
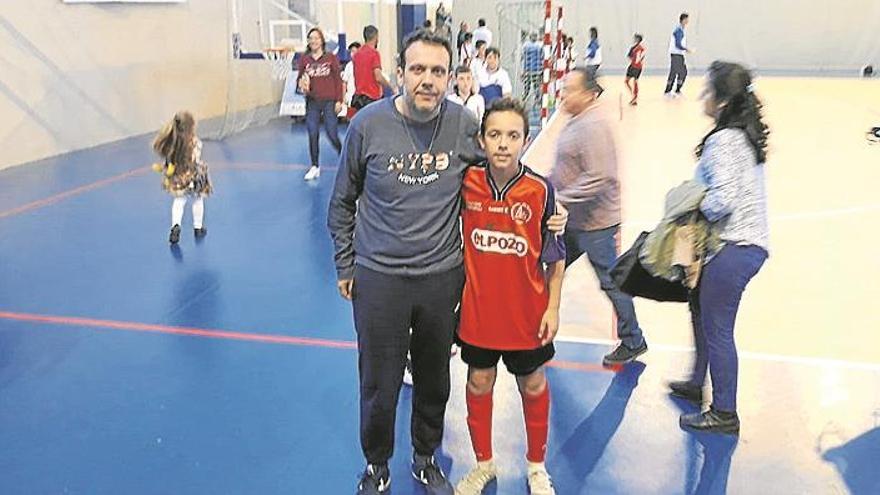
x=539 y=482
x=476 y=480
x=313 y=173
x=407 y=373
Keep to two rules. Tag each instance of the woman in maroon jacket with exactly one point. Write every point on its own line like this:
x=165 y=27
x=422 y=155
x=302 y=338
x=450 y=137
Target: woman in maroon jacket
x=320 y=79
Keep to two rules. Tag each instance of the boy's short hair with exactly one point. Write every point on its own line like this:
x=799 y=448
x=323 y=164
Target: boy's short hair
x=683 y=16
x=370 y=32
x=506 y=104
x=462 y=69
x=492 y=50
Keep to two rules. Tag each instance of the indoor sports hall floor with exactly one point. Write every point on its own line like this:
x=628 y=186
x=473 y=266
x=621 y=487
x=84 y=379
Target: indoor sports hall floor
x=228 y=366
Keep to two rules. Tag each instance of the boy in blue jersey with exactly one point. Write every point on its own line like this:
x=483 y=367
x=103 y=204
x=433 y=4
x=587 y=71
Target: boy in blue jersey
x=677 y=50
x=593 y=58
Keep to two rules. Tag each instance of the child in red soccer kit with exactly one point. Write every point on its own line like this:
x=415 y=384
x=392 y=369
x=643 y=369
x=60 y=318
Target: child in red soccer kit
x=510 y=303
x=636 y=57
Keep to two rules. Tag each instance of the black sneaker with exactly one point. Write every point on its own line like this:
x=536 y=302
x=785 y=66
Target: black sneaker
x=711 y=421
x=429 y=474
x=174 y=238
x=202 y=232
x=376 y=479
x=687 y=391
x=624 y=354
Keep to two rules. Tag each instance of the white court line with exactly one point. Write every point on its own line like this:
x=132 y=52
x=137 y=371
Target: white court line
x=785 y=217
x=809 y=215
x=752 y=356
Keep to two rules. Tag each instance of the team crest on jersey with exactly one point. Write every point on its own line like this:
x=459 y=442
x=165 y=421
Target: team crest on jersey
x=521 y=213
x=491 y=241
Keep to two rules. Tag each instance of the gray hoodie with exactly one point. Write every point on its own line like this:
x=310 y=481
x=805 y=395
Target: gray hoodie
x=395 y=206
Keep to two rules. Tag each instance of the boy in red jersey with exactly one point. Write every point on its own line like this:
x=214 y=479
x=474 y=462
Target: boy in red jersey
x=634 y=71
x=510 y=303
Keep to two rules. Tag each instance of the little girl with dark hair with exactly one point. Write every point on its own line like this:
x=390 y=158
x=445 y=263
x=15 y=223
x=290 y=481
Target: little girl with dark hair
x=184 y=175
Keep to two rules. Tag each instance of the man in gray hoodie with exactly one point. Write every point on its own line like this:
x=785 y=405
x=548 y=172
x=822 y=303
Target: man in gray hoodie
x=394 y=219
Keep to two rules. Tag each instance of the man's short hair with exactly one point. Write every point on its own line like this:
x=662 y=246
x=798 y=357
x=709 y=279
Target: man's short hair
x=370 y=33
x=481 y=22
x=494 y=50
x=683 y=16
x=588 y=79
x=480 y=44
x=424 y=36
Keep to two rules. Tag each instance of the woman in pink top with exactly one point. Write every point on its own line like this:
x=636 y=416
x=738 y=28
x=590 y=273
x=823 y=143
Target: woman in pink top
x=320 y=79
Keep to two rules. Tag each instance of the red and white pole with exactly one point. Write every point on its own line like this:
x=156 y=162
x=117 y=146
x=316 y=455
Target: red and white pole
x=545 y=81
x=559 y=57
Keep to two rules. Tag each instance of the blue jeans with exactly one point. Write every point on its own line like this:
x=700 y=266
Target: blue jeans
x=714 y=305
x=314 y=110
x=600 y=247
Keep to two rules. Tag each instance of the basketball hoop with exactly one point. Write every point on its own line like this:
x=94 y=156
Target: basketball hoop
x=281 y=60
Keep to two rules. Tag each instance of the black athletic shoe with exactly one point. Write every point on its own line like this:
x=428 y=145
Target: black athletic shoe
x=429 y=474
x=374 y=480
x=624 y=354
x=174 y=238
x=711 y=421
x=687 y=391
x=202 y=232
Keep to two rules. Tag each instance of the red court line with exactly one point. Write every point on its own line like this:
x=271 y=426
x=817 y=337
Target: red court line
x=266 y=167
x=229 y=335
x=51 y=200
x=73 y=192
x=194 y=332
x=588 y=367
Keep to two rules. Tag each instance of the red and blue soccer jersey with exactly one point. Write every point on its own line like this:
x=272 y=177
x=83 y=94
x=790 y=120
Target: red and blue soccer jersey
x=506 y=243
x=636 y=56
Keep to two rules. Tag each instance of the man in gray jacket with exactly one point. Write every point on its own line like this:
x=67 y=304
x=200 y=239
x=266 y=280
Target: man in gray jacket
x=394 y=221
x=585 y=176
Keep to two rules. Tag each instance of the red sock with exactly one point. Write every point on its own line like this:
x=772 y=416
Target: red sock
x=480 y=424
x=536 y=409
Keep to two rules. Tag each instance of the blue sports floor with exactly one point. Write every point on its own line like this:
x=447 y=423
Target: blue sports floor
x=228 y=366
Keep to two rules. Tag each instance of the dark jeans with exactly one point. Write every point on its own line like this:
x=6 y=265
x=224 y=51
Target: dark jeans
x=315 y=109
x=714 y=305
x=385 y=308
x=677 y=70
x=532 y=86
x=601 y=249
x=594 y=71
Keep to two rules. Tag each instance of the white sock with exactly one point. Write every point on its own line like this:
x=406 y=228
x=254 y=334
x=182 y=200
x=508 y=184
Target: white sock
x=536 y=466
x=177 y=211
x=198 y=212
